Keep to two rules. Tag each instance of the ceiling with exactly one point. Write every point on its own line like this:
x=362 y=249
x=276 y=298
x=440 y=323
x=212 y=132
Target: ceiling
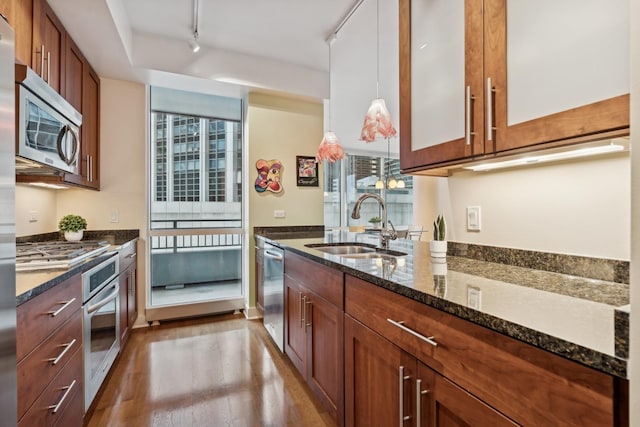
x=269 y=45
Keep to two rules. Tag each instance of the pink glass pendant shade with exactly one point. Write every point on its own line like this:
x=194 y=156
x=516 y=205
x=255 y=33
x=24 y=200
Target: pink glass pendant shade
x=377 y=122
x=330 y=148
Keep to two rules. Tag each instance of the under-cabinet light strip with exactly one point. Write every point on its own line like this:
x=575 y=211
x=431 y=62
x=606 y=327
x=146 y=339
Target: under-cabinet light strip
x=582 y=152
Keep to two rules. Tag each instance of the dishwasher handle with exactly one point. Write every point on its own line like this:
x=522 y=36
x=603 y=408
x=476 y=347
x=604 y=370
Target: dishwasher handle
x=275 y=255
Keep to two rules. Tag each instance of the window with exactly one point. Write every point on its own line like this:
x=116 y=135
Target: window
x=361 y=172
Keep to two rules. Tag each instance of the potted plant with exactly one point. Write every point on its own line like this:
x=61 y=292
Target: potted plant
x=438 y=245
x=72 y=226
x=375 y=221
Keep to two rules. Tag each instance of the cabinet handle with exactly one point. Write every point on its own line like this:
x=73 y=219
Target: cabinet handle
x=490 y=92
x=401 y=379
x=41 y=61
x=62 y=399
x=132 y=255
x=469 y=99
x=302 y=298
x=55 y=360
x=307 y=302
x=49 y=67
x=58 y=311
x=412 y=332
x=419 y=394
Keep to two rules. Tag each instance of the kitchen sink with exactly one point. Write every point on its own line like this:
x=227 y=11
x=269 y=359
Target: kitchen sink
x=371 y=255
x=355 y=250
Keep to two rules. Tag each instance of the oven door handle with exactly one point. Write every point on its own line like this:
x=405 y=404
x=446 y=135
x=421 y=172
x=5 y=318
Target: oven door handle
x=102 y=303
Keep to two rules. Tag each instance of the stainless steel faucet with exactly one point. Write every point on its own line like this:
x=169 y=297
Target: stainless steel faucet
x=385 y=234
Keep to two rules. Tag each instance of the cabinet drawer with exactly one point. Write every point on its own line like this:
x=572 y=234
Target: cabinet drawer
x=128 y=254
x=324 y=281
x=38 y=368
x=38 y=317
x=523 y=382
x=64 y=391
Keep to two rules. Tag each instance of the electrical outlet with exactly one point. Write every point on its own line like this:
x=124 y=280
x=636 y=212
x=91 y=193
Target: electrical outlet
x=33 y=216
x=279 y=214
x=474 y=297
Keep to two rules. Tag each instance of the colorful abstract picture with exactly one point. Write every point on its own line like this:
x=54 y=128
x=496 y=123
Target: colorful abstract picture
x=269 y=176
x=307 y=171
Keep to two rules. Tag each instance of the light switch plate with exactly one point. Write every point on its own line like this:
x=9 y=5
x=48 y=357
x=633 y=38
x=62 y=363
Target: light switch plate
x=473 y=218
x=279 y=214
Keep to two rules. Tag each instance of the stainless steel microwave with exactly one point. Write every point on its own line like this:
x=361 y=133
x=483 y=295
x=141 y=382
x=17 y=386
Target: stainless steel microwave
x=48 y=128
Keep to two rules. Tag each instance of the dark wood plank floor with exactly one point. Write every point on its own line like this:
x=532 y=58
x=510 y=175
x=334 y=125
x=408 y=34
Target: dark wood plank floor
x=215 y=371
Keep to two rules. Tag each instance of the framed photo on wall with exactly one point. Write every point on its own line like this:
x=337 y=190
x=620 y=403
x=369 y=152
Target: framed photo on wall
x=307 y=171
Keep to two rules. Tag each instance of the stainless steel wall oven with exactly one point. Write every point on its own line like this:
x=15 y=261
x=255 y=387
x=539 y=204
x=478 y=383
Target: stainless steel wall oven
x=101 y=324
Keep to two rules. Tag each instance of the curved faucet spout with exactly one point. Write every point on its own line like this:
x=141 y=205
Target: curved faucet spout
x=385 y=234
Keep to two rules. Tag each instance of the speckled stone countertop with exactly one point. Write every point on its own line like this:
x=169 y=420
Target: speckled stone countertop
x=574 y=317
x=30 y=284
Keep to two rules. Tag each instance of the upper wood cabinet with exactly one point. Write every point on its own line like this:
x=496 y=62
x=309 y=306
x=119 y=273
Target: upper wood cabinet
x=487 y=77
x=20 y=17
x=49 y=44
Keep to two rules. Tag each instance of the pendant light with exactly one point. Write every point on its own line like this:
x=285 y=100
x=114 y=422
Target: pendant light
x=193 y=43
x=330 y=148
x=377 y=121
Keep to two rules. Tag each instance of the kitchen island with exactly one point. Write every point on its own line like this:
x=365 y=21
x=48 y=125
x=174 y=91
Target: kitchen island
x=512 y=316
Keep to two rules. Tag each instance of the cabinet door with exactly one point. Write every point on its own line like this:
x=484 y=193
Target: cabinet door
x=556 y=70
x=49 y=45
x=441 y=403
x=378 y=378
x=441 y=85
x=294 y=336
x=90 y=130
x=19 y=13
x=324 y=345
x=132 y=295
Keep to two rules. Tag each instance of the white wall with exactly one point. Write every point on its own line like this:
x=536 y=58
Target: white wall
x=40 y=200
x=579 y=208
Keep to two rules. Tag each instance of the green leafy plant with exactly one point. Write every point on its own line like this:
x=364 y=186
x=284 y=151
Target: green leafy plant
x=375 y=220
x=72 y=223
x=439 y=228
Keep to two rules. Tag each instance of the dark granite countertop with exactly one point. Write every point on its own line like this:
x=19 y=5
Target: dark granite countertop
x=30 y=284
x=571 y=316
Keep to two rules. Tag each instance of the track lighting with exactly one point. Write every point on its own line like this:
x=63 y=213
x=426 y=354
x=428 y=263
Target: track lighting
x=193 y=44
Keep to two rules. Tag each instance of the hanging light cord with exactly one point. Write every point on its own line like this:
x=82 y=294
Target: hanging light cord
x=377 y=48
x=330 y=41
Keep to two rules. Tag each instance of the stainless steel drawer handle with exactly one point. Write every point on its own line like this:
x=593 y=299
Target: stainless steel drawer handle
x=58 y=311
x=414 y=333
x=62 y=399
x=55 y=360
x=132 y=255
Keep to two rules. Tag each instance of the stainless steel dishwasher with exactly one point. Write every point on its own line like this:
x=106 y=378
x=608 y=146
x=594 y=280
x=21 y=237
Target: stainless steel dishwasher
x=274 y=293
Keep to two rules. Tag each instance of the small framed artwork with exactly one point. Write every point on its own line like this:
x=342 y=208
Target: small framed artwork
x=307 y=171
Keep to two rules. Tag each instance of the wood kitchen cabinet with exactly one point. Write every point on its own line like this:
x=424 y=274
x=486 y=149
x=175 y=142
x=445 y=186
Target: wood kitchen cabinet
x=457 y=104
x=19 y=14
x=49 y=46
x=49 y=353
x=384 y=385
x=313 y=328
x=471 y=373
x=127 y=282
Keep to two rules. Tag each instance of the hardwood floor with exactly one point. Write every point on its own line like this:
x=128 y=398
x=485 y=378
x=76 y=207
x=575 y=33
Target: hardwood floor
x=215 y=371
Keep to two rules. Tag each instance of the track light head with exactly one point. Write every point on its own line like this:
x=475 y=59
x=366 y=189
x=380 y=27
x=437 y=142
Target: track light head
x=193 y=44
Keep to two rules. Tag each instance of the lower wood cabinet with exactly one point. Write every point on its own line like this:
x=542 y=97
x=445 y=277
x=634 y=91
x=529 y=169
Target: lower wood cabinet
x=386 y=386
x=127 y=282
x=313 y=328
x=49 y=356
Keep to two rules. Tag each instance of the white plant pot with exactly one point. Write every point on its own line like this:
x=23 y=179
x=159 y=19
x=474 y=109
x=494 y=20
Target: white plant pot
x=73 y=236
x=438 y=250
x=438 y=268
